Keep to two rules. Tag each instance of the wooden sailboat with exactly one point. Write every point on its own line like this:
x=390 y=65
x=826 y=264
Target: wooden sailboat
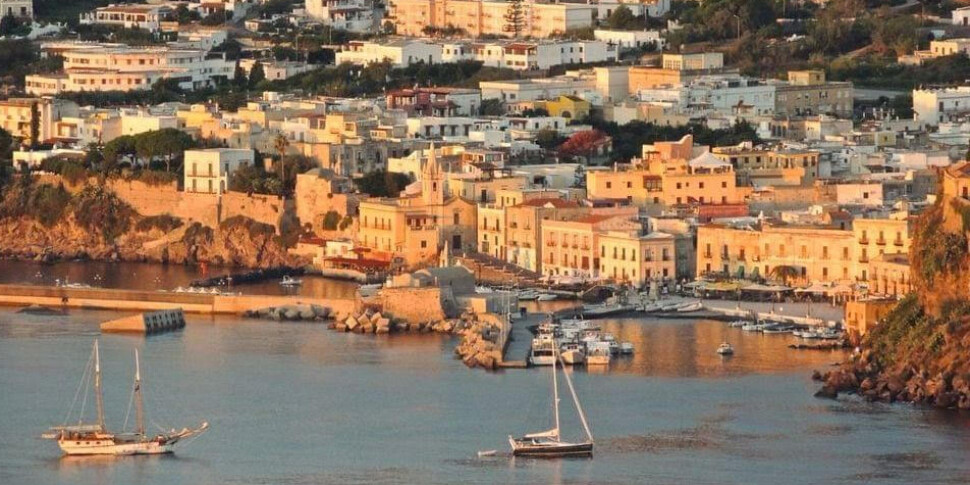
x=549 y=444
x=95 y=439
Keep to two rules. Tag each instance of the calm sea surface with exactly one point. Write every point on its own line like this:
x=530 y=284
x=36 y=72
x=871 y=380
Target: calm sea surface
x=298 y=404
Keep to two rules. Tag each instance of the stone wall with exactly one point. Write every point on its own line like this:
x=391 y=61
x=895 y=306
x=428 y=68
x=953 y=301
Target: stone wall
x=414 y=304
x=261 y=208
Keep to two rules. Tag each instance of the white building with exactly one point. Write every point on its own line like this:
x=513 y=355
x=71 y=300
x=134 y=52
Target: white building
x=130 y=69
x=522 y=55
x=17 y=8
x=630 y=39
x=351 y=15
x=934 y=106
x=276 y=70
x=129 y=16
x=654 y=8
x=400 y=52
x=207 y=171
x=572 y=83
x=866 y=194
x=961 y=16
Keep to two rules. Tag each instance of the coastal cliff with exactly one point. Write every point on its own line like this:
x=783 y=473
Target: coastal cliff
x=920 y=352
x=47 y=222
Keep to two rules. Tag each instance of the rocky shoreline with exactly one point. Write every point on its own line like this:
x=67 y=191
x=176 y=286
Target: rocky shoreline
x=914 y=384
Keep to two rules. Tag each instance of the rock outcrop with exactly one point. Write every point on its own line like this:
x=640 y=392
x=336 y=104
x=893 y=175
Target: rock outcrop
x=920 y=352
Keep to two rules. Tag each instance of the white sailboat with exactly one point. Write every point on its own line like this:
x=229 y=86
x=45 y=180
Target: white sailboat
x=549 y=444
x=96 y=439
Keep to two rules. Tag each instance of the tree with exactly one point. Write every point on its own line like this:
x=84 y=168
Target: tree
x=623 y=19
x=582 y=144
x=256 y=74
x=515 y=18
x=549 y=139
x=492 y=107
x=281 y=143
x=331 y=220
x=6 y=145
x=784 y=273
x=382 y=183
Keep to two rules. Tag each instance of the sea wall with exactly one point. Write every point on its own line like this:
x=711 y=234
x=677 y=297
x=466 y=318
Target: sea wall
x=414 y=304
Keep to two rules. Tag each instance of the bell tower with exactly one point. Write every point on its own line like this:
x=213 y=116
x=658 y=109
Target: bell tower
x=432 y=181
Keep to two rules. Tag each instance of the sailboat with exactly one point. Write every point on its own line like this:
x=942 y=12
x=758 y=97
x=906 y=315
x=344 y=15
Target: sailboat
x=549 y=444
x=96 y=439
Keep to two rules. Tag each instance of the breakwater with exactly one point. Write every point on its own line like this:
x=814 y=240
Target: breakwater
x=138 y=300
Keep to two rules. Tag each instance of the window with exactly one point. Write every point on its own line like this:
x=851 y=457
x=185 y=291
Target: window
x=424 y=244
x=609 y=185
x=456 y=219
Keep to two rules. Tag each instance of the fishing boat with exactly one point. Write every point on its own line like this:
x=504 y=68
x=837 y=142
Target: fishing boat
x=290 y=281
x=549 y=444
x=96 y=439
x=738 y=323
x=725 y=349
x=626 y=348
x=543 y=350
x=572 y=353
x=598 y=353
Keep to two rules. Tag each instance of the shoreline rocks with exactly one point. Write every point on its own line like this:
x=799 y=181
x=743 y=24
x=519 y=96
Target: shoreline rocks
x=477 y=345
x=292 y=313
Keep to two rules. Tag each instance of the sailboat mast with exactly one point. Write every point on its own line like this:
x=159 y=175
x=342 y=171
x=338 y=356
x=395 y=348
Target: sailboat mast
x=98 y=397
x=579 y=408
x=555 y=387
x=139 y=405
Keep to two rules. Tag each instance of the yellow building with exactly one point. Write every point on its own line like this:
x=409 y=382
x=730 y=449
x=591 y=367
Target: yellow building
x=415 y=228
x=810 y=253
x=525 y=220
x=487 y=17
x=675 y=69
x=956 y=180
x=704 y=180
x=627 y=257
x=566 y=106
x=571 y=248
x=876 y=237
x=771 y=167
x=862 y=315
x=889 y=275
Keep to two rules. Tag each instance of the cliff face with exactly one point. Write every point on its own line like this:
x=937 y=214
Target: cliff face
x=921 y=351
x=78 y=227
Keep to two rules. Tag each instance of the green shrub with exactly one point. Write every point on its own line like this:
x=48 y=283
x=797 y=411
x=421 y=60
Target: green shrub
x=101 y=211
x=330 y=220
x=48 y=203
x=164 y=223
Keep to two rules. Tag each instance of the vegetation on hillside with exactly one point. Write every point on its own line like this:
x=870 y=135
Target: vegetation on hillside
x=381 y=183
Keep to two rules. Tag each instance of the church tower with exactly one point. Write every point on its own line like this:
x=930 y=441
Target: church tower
x=432 y=181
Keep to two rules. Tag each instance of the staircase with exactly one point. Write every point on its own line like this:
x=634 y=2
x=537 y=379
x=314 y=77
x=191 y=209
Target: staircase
x=489 y=269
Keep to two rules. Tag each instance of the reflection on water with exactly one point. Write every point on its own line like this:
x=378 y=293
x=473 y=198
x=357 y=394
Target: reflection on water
x=686 y=348
x=295 y=403
x=152 y=277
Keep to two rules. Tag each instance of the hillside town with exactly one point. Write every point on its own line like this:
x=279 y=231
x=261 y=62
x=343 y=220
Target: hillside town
x=629 y=144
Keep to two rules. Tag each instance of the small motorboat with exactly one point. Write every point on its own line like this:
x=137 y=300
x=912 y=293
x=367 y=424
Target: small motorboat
x=484 y=453
x=691 y=307
x=572 y=353
x=598 y=353
x=290 y=281
x=626 y=348
x=546 y=297
x=725 y=349
x=738 y=323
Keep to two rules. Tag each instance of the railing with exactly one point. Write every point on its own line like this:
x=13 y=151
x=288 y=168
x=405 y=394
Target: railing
x=898 y=242
x=881 y=242
x=864 y=240
x=708 y=255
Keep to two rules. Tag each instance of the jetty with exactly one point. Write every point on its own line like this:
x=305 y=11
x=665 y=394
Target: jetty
x=144 y=301
x=147 y=323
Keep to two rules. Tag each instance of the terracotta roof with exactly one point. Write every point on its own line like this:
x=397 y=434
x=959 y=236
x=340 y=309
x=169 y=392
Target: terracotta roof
x=594 y=219
x=541 y=202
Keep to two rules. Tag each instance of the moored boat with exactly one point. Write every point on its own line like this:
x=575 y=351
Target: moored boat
x=725 y=349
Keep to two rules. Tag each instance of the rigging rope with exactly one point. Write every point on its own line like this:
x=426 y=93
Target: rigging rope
x=77 y=393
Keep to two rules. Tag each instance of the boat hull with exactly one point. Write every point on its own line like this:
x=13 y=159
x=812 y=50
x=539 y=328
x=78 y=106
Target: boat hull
x=552 y=451
x=109 y=447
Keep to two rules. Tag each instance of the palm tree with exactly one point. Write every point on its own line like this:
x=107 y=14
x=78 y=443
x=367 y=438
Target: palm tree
x=281 y=143
x=784 y=273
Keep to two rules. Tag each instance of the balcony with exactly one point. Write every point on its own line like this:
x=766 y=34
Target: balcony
x=513 y=225
x=708 y=255
x=864 y=241
x=575 y=246
x=584 y=247
x=665 y=258
x=898 y=242
x=880 y=242
x=863 y=259
x=551 y=244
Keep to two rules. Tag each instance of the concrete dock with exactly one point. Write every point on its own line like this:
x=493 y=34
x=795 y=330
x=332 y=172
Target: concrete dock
x=134 y=300
x=520 y=340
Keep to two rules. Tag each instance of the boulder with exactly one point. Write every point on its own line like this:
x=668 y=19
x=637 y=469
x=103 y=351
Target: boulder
x=340 y=327
x=376 y=317
x=351 y=324
x=291 y=314
x=382 y=330
x=307 y=313
x=320 y=311
x=827 y=392
x=367 y=327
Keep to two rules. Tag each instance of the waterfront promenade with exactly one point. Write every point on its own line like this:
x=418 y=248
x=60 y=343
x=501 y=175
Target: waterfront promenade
x=140 y=300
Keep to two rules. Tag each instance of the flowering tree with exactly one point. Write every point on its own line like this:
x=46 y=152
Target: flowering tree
x=582 y=144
